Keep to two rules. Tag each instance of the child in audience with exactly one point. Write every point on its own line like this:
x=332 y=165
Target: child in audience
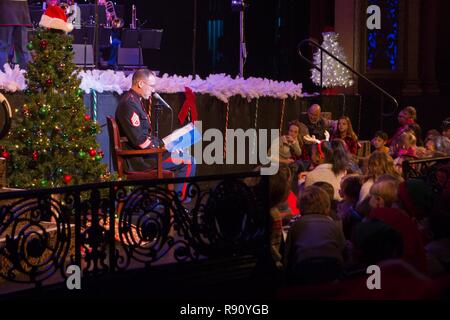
x=383 y=194
x=344 y=131
x=328 y=188
x=350 y=188
x=407 y=144
x=379 y=141
x=379 y=163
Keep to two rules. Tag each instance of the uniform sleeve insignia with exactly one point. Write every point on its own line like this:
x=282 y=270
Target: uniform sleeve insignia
x=135 y=120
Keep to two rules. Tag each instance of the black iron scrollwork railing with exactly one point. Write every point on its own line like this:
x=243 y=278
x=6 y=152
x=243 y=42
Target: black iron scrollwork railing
x=114 y=226
x=427 y=170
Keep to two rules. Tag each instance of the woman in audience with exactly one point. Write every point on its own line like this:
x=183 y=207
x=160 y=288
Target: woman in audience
x=332 y=166
x=344 y=131
x=407 y=120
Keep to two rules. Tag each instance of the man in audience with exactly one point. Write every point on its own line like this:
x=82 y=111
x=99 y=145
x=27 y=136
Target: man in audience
x=446 y=128
x=314 y=240
x=316 y=124
x=407 y=119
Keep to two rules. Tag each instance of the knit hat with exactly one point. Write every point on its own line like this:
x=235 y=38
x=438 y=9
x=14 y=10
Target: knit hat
x=416 y=197
x=55 y=18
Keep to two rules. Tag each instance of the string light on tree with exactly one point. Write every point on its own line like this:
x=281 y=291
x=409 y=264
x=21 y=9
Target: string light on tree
x=48 y=144
x=334 y=74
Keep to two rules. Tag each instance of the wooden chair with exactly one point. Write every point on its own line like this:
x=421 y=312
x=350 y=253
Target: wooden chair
x=119 y=155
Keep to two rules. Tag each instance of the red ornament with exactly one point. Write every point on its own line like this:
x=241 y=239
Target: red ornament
x=43 y=44
x=92 y=152
x=49 y=82
x=67 y=179
x=26 y=111
x=5 y=154
x=101 y=154
x=35 y=155
x=87 y=117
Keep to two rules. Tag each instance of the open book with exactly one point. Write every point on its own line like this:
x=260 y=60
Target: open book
x=182 y=138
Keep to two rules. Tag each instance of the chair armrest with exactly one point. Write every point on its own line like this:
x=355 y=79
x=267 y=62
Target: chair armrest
x=140 y=152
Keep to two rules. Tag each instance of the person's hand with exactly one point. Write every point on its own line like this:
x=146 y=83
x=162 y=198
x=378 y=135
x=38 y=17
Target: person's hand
x=327 y=135
x=311 y=139
x=290 y=161
x=302 y=177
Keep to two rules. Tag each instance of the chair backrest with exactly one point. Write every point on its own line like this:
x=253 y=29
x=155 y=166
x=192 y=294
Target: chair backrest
x=115 y=145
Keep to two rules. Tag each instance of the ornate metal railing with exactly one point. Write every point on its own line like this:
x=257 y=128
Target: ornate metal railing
x=425 y=169
x=114 y=226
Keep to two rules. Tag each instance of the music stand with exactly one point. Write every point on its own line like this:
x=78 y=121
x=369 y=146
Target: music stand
x=142 y=39
x=85 y=36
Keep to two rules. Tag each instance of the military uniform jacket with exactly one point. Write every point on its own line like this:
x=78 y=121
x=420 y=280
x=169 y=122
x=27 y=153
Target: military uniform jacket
x=134 y=124
x=14 y=13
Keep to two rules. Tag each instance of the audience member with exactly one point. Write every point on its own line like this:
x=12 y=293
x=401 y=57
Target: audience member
x=344 y=131
x=314 y=239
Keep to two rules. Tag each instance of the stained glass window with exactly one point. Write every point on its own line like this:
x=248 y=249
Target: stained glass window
x=382 y=45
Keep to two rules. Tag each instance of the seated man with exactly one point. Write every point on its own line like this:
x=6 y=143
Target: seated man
x=134 y=123
x=316 y=124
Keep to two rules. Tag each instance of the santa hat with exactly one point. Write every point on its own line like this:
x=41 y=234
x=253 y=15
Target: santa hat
x=55 y=18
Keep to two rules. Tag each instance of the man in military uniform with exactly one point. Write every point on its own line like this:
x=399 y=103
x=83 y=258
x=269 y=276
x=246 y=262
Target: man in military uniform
x=14 y=20
x=134 y=123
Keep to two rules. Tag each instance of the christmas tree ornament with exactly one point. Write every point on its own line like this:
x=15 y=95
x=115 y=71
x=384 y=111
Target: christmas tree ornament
x=43 y=183
x=65 y=136
x=5 y=154
x=69 y=47
x=49 y=82
x=43 y=111
x=35 y=155
x=87 y=117
x=79 y=92
x=98 y=157
x=59 y=170
x=333 y=73
x=82 y=154
x=30 y=46
x=67 y=179
x=92 y=152
x=26 y=112
x=43 y=44
x=101 y=154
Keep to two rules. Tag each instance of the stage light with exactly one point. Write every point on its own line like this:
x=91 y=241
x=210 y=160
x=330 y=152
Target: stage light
x=238 y=5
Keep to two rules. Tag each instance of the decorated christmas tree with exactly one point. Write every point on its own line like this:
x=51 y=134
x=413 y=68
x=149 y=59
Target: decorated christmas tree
x=334 y=74
x=52 y=142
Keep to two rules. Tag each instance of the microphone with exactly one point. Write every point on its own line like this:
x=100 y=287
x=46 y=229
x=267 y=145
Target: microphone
x=157 y=96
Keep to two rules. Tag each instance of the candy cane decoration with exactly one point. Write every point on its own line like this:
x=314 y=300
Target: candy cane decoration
x=282 y=114
x=227 y=116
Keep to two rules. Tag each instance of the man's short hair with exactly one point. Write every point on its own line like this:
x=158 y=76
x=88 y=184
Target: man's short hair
x=314 y=200
x=446 y=124
x=141 y=74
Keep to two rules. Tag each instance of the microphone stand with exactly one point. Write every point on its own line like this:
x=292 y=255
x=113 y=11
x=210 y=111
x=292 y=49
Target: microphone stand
x=96 y=40
x=158 y=108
